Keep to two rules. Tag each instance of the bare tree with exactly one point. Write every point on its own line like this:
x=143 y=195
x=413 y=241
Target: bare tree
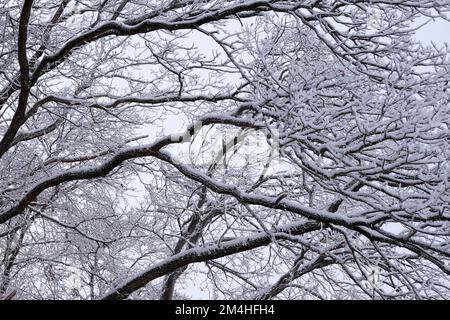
x=313 y=162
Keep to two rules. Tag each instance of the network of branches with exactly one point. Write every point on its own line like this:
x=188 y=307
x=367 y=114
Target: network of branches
x=256 y=149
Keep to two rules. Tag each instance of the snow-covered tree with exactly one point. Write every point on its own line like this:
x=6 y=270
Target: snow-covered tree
x=313 y=160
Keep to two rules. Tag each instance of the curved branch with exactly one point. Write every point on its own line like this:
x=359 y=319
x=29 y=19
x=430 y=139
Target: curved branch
x=207 y=253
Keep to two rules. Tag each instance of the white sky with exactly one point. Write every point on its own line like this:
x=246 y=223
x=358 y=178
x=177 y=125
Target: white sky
x=437 y=32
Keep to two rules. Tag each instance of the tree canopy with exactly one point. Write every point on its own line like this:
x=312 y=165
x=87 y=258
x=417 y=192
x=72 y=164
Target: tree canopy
x=258 y=149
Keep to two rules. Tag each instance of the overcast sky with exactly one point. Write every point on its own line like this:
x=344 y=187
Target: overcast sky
x=438 y=32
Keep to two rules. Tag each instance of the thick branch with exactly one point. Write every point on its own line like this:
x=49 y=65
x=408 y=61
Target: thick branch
x=207 y=253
